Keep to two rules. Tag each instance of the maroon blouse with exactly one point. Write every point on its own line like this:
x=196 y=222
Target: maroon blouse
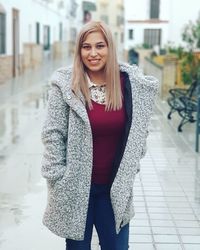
x=107 y=130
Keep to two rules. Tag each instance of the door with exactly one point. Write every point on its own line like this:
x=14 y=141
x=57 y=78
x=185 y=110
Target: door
x=15 y=42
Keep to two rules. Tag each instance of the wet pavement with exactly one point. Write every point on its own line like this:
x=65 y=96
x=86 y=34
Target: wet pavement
x=167 y=190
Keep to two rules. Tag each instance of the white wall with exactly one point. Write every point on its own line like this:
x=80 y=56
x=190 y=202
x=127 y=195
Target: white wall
x=75 y=22
x=135 y=10
x=30 y=12
x=139 y=34
x=140 y=11
x=177 y=12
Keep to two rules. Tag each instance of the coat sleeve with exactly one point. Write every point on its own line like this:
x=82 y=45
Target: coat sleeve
x=148 y=86
x=54 y=135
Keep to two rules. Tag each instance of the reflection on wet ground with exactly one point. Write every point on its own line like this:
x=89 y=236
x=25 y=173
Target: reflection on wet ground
x=16 y=117
x=22 y=191
x=167 y=190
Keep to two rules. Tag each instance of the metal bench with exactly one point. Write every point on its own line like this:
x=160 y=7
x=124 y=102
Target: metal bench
x=183 y=101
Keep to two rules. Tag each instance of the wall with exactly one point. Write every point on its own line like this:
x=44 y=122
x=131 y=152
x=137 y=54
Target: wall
x=137 y=18
x=166 y=74
x=112 y=9
x=177 y=12
x=30 y=12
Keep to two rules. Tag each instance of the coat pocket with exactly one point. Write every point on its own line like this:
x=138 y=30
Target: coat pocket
x=129 y=211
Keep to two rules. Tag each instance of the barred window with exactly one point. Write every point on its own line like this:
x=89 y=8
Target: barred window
x=105 y=19
x=130 y=34
x=2 y=33
x=46 y=37
x=60 y=31
x=152 y=37
x=37 y=32
x=154 y=9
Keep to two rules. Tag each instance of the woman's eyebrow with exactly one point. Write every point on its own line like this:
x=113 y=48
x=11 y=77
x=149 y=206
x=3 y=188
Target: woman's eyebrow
x=85 y=43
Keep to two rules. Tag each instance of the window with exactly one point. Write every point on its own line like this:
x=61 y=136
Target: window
x=116 y=38
x=122 y=37
x=46 y=37
x=60 y=31
x=87 y=16
x=105 y=19
x=130 y=34
x=73 y=34
x=2 y=33
x=38 y=33
x=152 y=37
x=119 y=20
x=154 y=9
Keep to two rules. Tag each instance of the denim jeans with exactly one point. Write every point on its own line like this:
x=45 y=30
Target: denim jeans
x=100 y=214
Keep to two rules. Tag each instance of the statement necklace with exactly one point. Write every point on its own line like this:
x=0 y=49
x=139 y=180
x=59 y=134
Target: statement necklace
x=97 y=92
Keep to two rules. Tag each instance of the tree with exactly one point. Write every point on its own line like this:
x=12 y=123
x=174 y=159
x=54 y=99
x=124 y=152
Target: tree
x=191 y=60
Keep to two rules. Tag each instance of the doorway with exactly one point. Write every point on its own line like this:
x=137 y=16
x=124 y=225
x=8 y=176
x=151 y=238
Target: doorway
x=15 y=42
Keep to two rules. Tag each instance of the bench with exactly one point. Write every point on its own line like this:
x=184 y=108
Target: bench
x=184 y=102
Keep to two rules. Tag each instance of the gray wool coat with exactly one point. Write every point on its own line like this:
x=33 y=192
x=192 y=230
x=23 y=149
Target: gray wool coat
x=67 y=159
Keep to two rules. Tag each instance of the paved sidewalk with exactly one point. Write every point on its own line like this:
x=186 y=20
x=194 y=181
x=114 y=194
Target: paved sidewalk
x=30 y=79
x=167 y=190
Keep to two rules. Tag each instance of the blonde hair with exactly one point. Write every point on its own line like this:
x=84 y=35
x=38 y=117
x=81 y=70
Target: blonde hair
x=79 y=79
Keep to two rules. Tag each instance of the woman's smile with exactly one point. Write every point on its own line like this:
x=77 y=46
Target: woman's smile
x=94 y=61
x=94 y=52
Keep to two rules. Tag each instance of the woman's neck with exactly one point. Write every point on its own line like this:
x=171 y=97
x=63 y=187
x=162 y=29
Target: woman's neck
x=97 y=78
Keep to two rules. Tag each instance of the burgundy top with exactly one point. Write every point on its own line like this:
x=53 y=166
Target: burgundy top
x=107 y=130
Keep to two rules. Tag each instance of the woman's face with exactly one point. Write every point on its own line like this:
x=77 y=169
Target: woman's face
x=94 y=52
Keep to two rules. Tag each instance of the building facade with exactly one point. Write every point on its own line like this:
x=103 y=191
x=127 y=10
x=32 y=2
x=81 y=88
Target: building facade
x=34 y=30
x=157 y=23
x=147 y=23
x=79 y=12
x=112 y=13
x=30 y=30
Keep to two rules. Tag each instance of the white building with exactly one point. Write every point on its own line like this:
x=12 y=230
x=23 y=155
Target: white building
x=29 y=31
x=112 y=13
x=157 y=22
x=77 y=11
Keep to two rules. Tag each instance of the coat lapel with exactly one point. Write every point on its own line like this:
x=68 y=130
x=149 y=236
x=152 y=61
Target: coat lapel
x=76 y=103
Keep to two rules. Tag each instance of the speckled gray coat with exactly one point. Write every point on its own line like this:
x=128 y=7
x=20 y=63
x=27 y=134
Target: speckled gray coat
x=67 y=160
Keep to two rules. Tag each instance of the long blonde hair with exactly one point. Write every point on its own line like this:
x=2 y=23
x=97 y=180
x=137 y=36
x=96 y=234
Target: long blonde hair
x=79 y=80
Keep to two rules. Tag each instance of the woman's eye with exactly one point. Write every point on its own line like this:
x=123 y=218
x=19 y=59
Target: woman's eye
x=86 y=47
x=100 y=46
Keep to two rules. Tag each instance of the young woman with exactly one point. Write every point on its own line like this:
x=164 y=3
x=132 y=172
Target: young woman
x=94 y=137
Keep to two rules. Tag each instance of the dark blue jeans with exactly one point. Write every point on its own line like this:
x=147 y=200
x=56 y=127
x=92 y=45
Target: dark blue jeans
x=100 y=214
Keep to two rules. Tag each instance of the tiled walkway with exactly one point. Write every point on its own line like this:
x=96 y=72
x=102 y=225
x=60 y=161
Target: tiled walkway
x=167 y=190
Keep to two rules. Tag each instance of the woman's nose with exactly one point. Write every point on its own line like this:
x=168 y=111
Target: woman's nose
x=93 y=52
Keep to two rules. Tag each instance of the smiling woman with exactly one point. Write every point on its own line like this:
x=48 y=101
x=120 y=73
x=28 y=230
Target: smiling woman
x=94 y=136
x=94 y=53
